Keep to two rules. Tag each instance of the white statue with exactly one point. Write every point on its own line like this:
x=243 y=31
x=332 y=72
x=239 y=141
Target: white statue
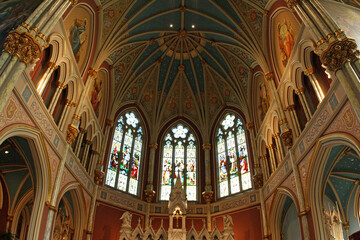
x=126 y=218
x=333 y=224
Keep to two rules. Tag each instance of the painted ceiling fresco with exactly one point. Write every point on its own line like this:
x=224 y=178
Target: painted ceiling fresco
x=182 y=57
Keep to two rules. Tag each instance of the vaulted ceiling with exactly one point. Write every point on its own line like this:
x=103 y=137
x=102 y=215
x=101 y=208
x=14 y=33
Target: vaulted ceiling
x=182 y=57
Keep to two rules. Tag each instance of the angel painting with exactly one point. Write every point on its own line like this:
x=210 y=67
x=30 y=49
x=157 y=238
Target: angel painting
x=286 y=41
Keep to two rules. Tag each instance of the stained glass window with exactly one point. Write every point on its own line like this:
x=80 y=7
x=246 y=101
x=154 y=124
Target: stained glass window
x=232 y=157
x=125 y=157
x=179 y=156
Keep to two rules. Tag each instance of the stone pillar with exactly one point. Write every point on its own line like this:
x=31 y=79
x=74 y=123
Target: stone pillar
x=54 y=196
x=86 y=152
x=272 y=157
x=149 y=192
x=51 y=67
x=266 y=169
x=91 y=214
x=59 y=88
x=64 y=115
x=79 y=141
x=263 y=215
x=208 y=194
x=286 y=133
x=315 y=83
x=303 y=213
x=279 y=146
x=294 y=119
x=304 y=103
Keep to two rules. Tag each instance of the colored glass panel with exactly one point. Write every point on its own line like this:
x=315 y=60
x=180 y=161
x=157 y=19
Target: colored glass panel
x=224 y=189
x=222 y=160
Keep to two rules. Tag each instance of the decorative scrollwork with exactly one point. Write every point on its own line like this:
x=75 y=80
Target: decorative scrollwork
x=23 y=45
x=338 y=53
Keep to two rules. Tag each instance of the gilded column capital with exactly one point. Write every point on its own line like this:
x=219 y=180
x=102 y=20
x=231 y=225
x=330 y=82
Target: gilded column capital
x=71 y=133
x=338 y=53
x=92 y=72
x=153 y=145
x=300 y=91
x=76 y=117
x=269 y=76
x=250 y=125
x=23 y=45
x=283 y=121
x=98 y=177
x=149 y=195
x=309 y=71
x=109 y=122
x=208 y=196
x=206 y=146
x=287 y=137
x=61 y=85
x=51 y=65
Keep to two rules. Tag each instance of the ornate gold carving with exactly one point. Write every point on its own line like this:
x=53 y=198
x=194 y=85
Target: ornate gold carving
x=35 y=29
x=269 y=76
x=309 y=71
x=71 y=133
x=42 y=36
x=92 y=72
x=283 y=121
x=250 y=125
x=206 y=146
x=321 y=41
x=149 y=195
x=25 y=25
x=61 y=85
x=153 y=145
x=338 y=32
x=182 y=34
x=51 y=65
x=338 y=53
x=300 y=91
x=258 y=181
x=292 y=3
x=287 y=137
x=76 y=117
x=23 y=45
x=208 y=196
x=98 y=177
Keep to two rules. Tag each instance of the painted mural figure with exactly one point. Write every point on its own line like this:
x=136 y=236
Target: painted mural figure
x=77 y=37
x=96 y=95
x=264 y=101
x=286 y=41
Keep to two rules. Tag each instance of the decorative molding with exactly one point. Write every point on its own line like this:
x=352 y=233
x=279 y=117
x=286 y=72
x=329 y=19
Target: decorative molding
x=287 y=137
x=149 y=195
x=153 y=146
x=206 y=146
x=208 y=196
x=71 y=133
x=98 y=177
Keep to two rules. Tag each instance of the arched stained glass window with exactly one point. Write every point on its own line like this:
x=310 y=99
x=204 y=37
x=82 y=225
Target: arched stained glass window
x=179 y=155
x=232 y=157
x=125 y=157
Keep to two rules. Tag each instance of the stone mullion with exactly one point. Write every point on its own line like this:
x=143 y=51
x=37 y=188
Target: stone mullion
x=303 y=211
x=60 y=87
x=279 y=146
x=272 y=157
x=329 y=21
x=300 y=93
x=294 y=119
x=51 y=67
x=55 y=193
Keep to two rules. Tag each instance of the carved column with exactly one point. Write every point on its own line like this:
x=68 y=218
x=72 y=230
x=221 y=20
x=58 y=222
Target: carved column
x=315 y=83
x=279 y=146
x=300 y=93
x=266 y=169
x=294 y=119
x=55 y=193
x=64 y=115
x=149 y=192
x=286 y=133
x=59 y=88
x=208 y=194
x=300 y=195
x=86 y=152
x=51 y=67
x=99 y=171
x=272 y=157
x=263 y=214
x=79 y=141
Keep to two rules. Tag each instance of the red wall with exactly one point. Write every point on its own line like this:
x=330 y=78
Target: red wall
x=247 y=223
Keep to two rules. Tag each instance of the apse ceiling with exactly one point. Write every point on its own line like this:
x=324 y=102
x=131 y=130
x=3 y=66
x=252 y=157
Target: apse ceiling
x=182 y=57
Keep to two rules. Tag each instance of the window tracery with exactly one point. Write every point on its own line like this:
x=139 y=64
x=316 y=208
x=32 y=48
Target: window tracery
x=232 y=157
x=179 y=155
x=125 y=157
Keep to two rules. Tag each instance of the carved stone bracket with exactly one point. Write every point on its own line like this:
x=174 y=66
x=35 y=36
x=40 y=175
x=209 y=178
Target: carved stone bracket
x=338 y=53
x=149 y=195
x=287 y=137
x=98 y=177
x=23 y=45
x=208 y=196
x=71 y=133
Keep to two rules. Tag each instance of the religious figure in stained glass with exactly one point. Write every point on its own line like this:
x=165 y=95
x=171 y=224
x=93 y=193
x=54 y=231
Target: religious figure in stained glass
x=125 y=158
x=232 y=157
x=179 y=153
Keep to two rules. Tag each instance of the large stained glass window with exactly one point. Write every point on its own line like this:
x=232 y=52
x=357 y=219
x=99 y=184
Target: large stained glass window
x=125 y=156
x=232 y=157
x=179 y=156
